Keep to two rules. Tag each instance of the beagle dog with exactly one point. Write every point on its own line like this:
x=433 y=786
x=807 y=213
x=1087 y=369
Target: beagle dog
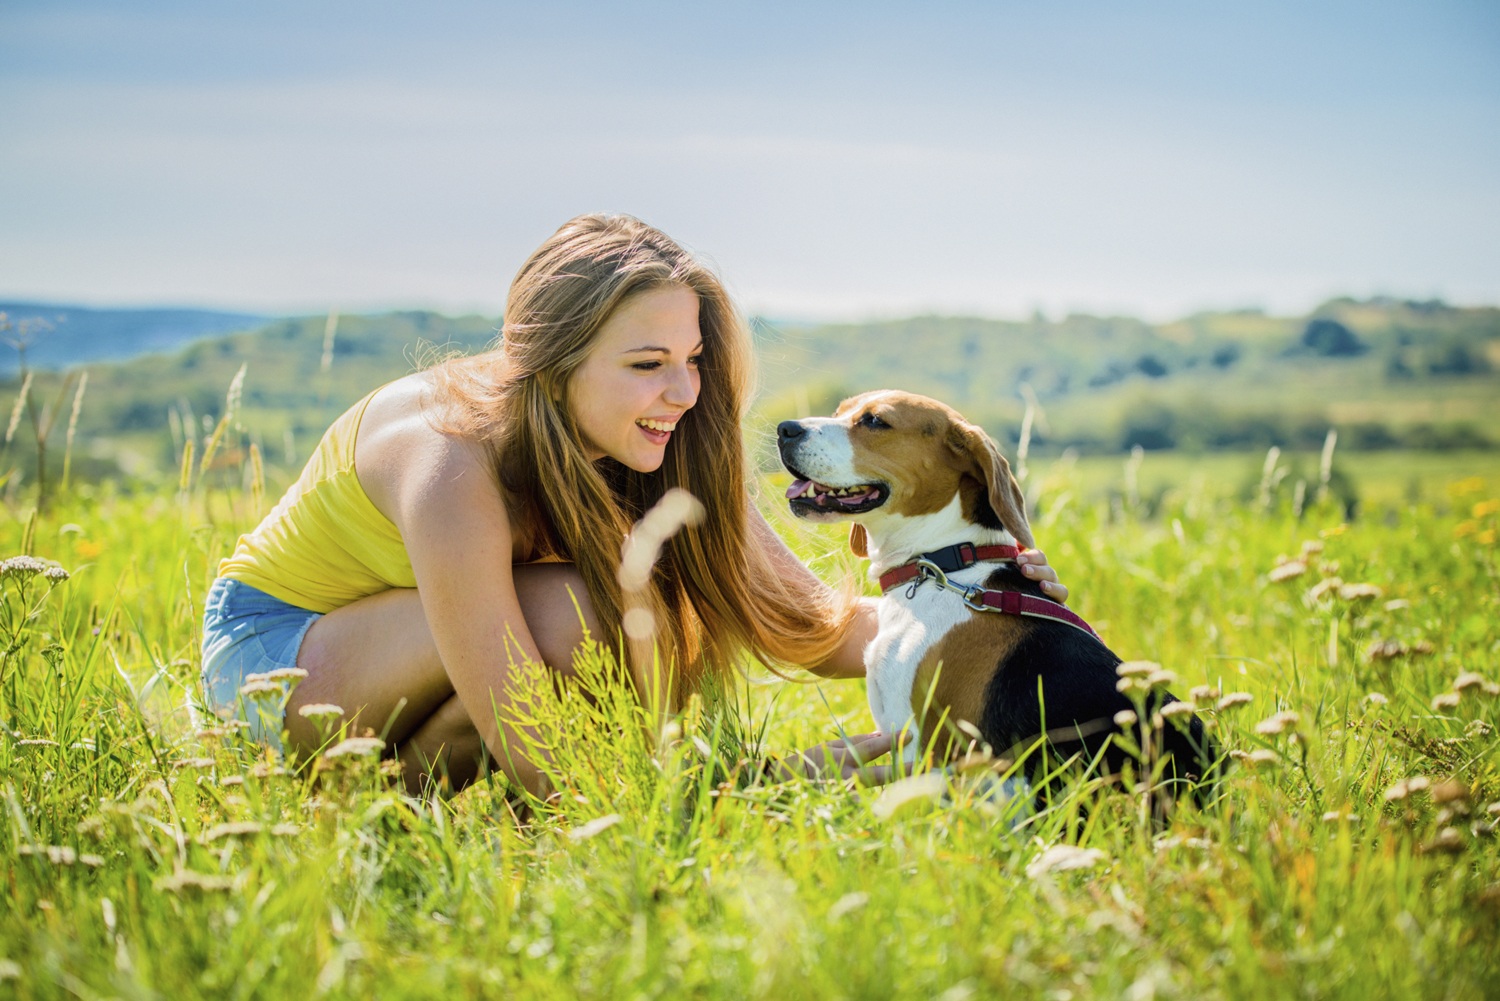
x=933 y=505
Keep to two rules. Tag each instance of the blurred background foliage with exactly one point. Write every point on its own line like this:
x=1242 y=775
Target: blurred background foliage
x=1388 y=375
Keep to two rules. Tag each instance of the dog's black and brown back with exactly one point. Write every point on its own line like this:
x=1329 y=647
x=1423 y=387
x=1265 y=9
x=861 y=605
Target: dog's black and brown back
x=1054 y=681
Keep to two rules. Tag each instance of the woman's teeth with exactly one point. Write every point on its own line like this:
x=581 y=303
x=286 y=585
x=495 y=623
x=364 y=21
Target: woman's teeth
x=649 y=424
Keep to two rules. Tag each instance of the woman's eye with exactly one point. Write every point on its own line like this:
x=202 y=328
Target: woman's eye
x=695 y=360
x=646 y=366
x=871 y=421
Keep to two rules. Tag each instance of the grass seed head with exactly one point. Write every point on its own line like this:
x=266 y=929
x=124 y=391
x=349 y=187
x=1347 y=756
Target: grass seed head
x=1324 y=587
x=1061 y=858
x=355 y=747
x=1204 y=694
x=1360 y=592
x=1450 y=791
x=1137 y=668
x=233 y=829
x=200 y=763
x=1126 y=718
x=320 y=710
x=1446 y=700
x=61 y=855
x=1448 y=842
x=1286 y=571
x=1234 y=700
x=185 y=880
x=1467 y=680
x=1278 y=723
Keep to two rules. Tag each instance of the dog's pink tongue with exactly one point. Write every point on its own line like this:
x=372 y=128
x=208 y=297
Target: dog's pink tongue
x=796 y=489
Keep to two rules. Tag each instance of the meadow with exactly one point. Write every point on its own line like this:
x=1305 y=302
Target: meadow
x=1349 y=669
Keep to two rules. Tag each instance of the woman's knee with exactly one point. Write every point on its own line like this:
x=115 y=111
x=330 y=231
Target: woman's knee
x=557 y=609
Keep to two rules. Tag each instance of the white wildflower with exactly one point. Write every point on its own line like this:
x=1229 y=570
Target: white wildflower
x=1287 y=570
x=1277 y=723
x=280 y=674
x=594 y=827
x=1360 y=592
x=355 y=747
x=320 y=710
x=233 y=829
x=1136 y=668
x=1061 y=858
x=1204 y=694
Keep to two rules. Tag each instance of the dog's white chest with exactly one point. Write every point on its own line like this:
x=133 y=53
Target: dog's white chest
x=907 y=628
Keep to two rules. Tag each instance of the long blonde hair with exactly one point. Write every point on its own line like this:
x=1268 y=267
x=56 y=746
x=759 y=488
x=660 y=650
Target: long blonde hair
x=714 y=591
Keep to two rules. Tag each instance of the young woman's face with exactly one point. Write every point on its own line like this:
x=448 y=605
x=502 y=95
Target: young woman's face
x=640 y=378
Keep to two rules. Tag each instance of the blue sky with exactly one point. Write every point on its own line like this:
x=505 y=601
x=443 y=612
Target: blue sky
x=835 y=160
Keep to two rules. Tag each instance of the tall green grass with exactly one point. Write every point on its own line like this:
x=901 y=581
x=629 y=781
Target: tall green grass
x=151 y=853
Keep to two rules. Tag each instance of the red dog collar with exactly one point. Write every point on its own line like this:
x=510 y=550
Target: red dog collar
x=937 y=565
x=949 y=560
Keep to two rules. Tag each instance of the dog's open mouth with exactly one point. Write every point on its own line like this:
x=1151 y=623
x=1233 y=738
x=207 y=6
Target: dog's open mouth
x=809 y=497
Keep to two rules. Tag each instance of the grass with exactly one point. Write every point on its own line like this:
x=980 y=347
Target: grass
x=147 y=856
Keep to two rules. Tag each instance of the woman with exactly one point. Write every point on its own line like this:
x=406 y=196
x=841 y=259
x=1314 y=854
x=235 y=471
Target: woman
x=463 y=517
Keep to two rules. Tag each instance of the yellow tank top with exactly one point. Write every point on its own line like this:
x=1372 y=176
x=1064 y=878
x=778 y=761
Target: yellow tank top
x=324 y=544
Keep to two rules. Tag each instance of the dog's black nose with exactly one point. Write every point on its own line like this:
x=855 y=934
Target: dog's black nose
x=788 y=430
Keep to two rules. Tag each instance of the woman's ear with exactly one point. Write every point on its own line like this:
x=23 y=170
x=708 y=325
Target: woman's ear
x=859 y=541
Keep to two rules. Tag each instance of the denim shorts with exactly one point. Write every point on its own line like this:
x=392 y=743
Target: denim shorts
x=248 y=632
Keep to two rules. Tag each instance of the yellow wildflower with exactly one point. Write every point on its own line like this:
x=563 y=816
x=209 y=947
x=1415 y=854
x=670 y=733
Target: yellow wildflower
x=1465 y=487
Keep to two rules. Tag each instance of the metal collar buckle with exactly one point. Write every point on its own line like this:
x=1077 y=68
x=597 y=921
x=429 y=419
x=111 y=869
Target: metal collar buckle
x=928 y=570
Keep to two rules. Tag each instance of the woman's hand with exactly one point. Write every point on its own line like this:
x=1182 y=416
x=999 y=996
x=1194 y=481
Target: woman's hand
x=1033 y=563
x=845 y=758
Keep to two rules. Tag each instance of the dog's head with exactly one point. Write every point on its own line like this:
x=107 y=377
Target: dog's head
x=897 y=462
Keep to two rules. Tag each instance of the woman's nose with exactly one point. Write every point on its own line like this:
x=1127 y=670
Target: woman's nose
x=682 y=388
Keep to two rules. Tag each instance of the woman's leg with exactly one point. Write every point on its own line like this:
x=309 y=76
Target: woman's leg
x=376 y=659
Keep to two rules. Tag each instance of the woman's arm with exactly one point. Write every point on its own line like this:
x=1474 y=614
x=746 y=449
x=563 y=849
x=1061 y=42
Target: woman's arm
x=458 y=535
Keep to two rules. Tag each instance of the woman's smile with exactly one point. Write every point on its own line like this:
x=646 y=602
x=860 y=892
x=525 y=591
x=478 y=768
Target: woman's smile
x=640 y=379
x=657 y=431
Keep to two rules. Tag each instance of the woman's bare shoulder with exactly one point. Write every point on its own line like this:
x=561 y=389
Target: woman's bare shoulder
x=402 y=457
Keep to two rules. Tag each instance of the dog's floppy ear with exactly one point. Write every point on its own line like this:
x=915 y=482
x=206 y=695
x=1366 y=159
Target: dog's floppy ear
x=859 y=541
x=1001 y=503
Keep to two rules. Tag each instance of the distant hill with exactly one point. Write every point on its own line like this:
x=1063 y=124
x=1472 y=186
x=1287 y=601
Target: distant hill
x=74 y=335
x=1385 y=374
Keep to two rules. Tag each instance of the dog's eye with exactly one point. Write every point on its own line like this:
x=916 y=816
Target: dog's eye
x=869 y=420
